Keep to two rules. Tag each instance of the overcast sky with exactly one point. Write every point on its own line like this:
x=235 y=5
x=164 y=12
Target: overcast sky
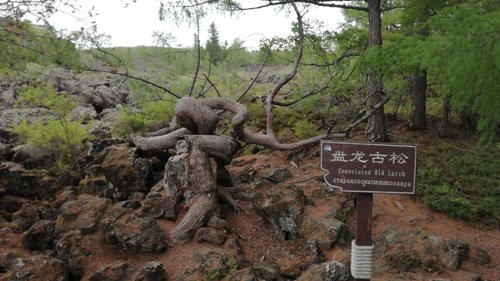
x=134 y=25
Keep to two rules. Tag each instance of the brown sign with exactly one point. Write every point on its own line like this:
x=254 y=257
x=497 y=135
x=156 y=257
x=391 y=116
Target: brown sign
x=370 y=167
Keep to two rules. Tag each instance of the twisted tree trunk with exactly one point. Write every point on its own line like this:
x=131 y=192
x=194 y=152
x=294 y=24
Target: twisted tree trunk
x=189 y=176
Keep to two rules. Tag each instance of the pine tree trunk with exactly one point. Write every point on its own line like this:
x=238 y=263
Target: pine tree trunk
x=445 y=118
x=418 y=88
x=376 y=129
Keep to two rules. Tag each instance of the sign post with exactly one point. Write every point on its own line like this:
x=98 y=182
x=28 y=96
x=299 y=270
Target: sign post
x=367 y=168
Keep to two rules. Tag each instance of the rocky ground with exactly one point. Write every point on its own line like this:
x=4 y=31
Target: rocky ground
x=106 y=220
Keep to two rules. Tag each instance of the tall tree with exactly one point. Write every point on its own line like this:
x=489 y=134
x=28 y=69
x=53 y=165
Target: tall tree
x=376 y=130
x=414 y=23
x=462 y=54
x=213 y=46
x=418 y=92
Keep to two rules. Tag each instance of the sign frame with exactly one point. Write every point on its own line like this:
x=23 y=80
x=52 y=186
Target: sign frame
x=408 y=148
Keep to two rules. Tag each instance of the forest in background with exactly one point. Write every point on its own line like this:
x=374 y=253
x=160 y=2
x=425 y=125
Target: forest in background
x=438 y=64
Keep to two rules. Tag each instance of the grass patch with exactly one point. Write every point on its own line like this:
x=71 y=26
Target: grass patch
x=462 y=183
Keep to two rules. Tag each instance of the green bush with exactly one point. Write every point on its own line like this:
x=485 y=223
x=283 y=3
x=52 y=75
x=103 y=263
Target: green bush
x=64 y=137
x=304 y=129
x=151 y=116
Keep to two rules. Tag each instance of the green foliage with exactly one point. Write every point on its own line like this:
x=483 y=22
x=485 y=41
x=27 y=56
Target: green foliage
x=44 y=95
x=214 y=275
x=230 y=265
x=151 y=116
x=304 y=129
x=460 y=53
x=237 y=55
x=464 y=184
x=23 y=42
x=62 y=135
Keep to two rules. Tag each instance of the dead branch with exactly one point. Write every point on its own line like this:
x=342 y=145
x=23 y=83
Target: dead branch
x=255 y=79
x=368 y=113
x=212 y=85
x=133 y=77
x=172 y=126
x=308 y=94
x=198 y=57
x=159 y=142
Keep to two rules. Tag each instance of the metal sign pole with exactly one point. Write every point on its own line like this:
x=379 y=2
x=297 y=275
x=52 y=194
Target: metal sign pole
x=364 y=203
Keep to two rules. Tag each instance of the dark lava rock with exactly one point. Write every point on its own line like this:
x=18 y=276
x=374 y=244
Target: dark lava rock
x=282 y=207
x=19 y=181
x=279 y=175
x=136 y=235
x=329 y=271
x=40 y=236
x=25 y=217
x=73 y=249
x=82 y=214
x=32 y=156
x=126 y=173
x=35 y=268
x=118 y=271
x=210 y=235
x=325 y=232
x=152 y=271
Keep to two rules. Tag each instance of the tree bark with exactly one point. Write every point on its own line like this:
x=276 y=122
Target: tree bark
x=418 y=88
x=376 y=129
x=189 y=176
x=445 y=118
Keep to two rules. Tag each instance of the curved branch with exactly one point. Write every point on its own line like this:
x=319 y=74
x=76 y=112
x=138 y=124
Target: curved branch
x=273 y=143
x=267 y=140
x=133 y=77
x=171 y=127
x=303 y=97
x=240 y=111
x=221 y=148
x=298 y=57
x=159 y=142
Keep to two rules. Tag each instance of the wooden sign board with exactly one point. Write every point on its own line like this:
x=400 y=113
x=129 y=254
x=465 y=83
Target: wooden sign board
x=370 y=167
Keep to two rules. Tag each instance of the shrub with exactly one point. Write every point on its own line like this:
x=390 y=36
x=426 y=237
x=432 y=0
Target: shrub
x=151 y=116
x=64 y=137
x=304 y=129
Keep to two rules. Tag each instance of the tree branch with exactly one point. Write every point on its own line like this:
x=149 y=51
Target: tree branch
x=133 y=77
x=325 y=3
x=369 y=113
x=159 y=142
x=298 y=57
x=256 y=77
x=198 y=57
